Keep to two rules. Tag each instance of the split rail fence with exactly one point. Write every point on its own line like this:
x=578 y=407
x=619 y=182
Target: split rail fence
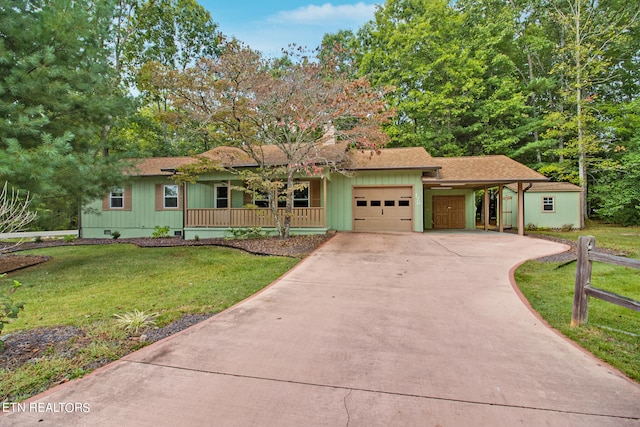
x=584 y=290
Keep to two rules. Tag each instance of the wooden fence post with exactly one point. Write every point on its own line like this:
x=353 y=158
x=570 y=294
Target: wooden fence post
x=583 y=278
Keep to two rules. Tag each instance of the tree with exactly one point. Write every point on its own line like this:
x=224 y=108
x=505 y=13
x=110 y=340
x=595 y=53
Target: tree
x=55 y=99
x=456 y=90
x=248 y=104
x=591 y=28
x=14 y=212
x=167 y=35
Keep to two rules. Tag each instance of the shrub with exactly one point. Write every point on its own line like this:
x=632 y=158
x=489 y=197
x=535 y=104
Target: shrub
x=566 y=227
x=159 y=232
x=37 y=239
x=69 y=238
x=9 y=309
x=196 y=238
x=115 y=234
x=531 y=227
x=135 y=320
x=248 y=233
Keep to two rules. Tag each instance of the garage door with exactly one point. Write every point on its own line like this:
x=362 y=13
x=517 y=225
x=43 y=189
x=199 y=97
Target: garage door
x=448 y=212
x=383 y=208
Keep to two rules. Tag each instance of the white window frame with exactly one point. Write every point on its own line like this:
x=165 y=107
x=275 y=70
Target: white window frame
x=548 y=201
x=307 y=198
x=114 y=196
x=165 y=197
x=263 y=199
x=216 y=198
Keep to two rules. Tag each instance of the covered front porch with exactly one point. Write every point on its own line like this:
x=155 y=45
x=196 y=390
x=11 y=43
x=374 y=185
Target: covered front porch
x=214 y=207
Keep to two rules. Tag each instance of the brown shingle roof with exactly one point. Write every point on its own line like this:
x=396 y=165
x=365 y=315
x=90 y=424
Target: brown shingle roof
x=544 y=187
x=468 y=170
x=479 y=169
x=154 y=166
x=391 y=158
x=273 y=155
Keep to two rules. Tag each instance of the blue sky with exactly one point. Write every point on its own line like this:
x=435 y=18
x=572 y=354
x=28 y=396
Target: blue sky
x=269 y=26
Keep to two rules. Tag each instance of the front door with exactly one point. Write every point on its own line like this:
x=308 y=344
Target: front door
x=448 y=212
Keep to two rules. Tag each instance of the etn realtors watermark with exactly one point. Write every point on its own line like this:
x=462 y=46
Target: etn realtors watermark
x=46 y=407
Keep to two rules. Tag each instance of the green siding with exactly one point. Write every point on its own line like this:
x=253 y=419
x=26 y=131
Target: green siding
x=139 y=221
x=470 y=206
x=200 y=195
x=339 y=195
x=567 y=209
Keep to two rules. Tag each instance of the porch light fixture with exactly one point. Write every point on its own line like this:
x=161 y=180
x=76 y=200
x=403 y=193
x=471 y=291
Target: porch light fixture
x=441 y=188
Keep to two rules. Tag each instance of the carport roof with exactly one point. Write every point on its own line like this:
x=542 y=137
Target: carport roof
x=545 y=187
x=479 y=171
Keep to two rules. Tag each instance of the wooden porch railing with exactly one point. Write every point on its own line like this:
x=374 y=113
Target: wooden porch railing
x=260 y=217
x=584 y=290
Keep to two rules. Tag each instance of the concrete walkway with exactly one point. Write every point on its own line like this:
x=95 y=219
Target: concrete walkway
x=371 y=330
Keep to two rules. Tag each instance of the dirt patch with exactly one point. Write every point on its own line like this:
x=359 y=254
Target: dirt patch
x=9 y=263
x=67 y=341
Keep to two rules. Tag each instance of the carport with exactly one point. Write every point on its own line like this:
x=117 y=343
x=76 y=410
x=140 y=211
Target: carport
x=451 y=174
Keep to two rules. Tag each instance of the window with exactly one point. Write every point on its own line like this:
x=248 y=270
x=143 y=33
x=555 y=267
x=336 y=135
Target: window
x=376 y=203
x=116 y=198
x=389 y=202
x=361 y=203
x=403 y=203
x=221 y=196
x=548 y=204
x=261 y=200
x=170 y=196
x=301 y=197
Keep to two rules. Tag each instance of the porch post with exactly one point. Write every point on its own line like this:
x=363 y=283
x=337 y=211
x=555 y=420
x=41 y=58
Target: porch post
x=520 y=210
x=324 y=197
x=485 y=207
x=184 y=208
x=229 y=201
x=500 y=215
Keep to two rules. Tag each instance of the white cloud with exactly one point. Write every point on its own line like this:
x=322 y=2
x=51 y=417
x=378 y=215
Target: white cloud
x=327 y=13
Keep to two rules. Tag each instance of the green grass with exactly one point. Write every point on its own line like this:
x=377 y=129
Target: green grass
x=612 y=333
x=623 y=239
x=85 y=286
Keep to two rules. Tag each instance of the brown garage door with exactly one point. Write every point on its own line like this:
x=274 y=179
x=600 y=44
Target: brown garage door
x=448 y=212
x=383 y=208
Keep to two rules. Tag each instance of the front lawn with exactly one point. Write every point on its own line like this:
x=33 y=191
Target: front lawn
x=612 y=332
x=84 y=286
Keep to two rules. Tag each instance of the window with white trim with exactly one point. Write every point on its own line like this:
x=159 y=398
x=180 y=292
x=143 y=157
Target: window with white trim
x=170 y=196
x=220 y=196
x=301 y=198
x=116 y=198
x=548 y=204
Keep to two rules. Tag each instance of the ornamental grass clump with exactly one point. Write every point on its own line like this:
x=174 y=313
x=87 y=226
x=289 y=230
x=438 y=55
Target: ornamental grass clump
x=136 y=320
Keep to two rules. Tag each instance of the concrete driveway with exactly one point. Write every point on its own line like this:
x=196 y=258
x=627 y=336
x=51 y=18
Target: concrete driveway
x=371 y=330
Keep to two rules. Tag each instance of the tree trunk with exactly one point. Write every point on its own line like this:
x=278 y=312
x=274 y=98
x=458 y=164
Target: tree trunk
x=288 y=206
x=582 y=157
x=534 y=99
